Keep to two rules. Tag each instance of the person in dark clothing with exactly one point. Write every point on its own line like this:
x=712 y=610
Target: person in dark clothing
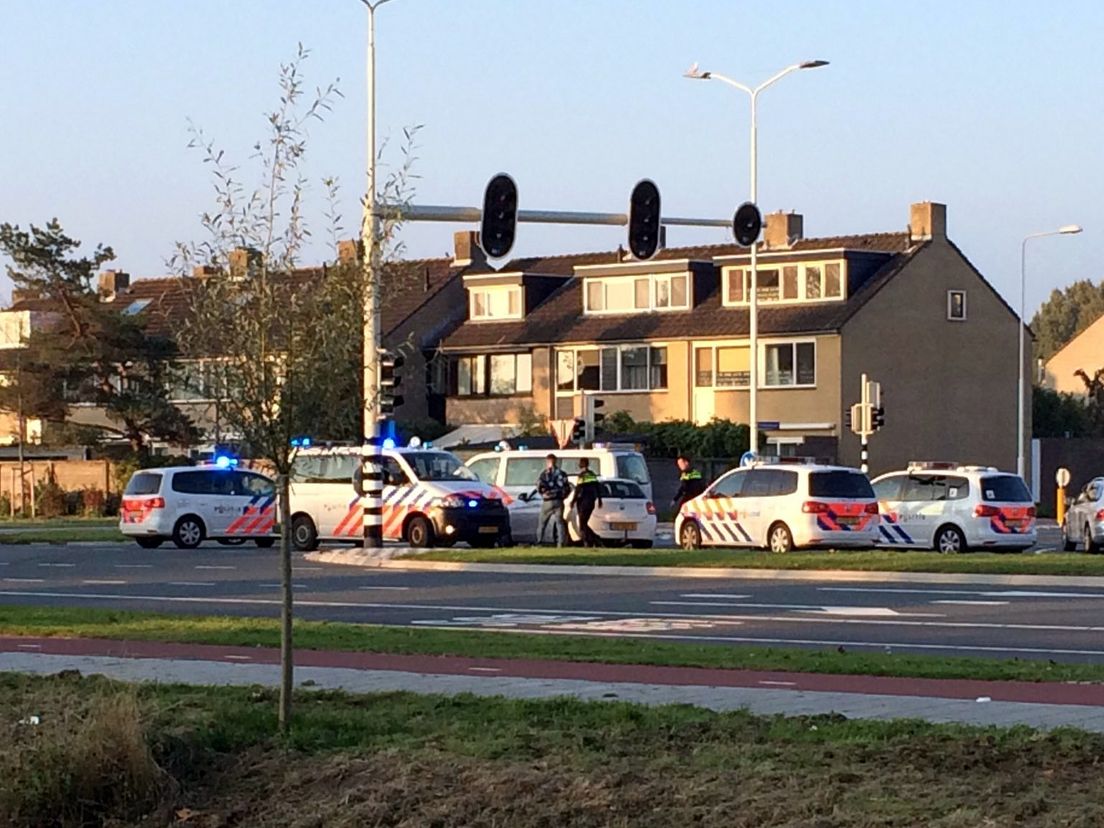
x=691 y=483
x=588 y=493
x=553 y=488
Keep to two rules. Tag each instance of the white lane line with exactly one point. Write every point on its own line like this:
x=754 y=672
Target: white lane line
x=865 y=611
x=1008 y=593
x=24 y=581
x=91 y=582
x=4 y=563
x=134 y=566
x=239 y=658
x=394 y=588
x=59 y=565
x=191 y=583
x=712 y=595
x=779 y=683
x=974 y=603
x=485 y=669
x=213 y=566
x=28 y=646
x=278 y=586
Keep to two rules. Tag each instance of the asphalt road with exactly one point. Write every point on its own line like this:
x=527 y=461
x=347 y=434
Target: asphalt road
x=1057 y=623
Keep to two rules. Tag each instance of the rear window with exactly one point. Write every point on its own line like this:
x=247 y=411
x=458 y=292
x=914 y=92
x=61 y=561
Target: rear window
x=1005 y=488
x=840 y=484
x=622 y=489
x=204 y=482
x=524 y=471
x=144 y=483
x=633 y=467
x=769 y=483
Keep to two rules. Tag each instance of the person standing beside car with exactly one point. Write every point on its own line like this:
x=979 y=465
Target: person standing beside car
x=588 y=493
x=553 y=488
x=691 y=483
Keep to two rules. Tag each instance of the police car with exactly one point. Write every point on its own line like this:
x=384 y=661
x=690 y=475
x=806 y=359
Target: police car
x=627 y=517
x=954 y=508
x=190 y=504
x=1084 y=521
x=782 y=506
x=430 y=498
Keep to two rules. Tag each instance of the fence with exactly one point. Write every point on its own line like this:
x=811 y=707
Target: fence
x=71 y=475
x=1083 y=456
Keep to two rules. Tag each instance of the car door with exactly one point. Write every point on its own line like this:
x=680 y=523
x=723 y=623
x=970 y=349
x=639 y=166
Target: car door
x=888 y=491
x=195 y=494
x=922 y=506
x=398 y=491
x=255 y=505
x=719 y=511
x=520 y=481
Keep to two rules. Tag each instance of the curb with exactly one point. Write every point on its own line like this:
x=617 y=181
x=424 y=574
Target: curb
x=389 y=559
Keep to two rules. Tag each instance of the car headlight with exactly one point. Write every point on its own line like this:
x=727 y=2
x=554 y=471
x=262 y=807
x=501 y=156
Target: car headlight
x=456 y=502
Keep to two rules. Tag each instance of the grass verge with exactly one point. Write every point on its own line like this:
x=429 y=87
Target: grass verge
x=206 y=757
x=73 y=622
x=63 y=534
x=976 y=563
x=58 y=522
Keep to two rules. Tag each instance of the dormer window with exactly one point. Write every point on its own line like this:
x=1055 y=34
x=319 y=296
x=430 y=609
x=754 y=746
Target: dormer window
x=814 y=282
x=637 y=293
x=494 y=302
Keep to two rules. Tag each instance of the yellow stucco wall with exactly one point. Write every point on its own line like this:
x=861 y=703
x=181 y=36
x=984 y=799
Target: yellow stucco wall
x=1084 y=352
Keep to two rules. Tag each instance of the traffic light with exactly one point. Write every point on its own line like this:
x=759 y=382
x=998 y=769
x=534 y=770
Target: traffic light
x=591 y=416
x=578 y=431
x=644 y=219
x=746 y=224
x=500 y=212
x=879 y=417
x=390 y=381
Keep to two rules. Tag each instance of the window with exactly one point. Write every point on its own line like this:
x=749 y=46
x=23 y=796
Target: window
x=840 y=484
x=736 y=292
x=1005 y=488
x=787 y=283
x=770 y=483
x=471 y=375
x=144 y=483
x=703 y=367
x=393 y=473
x=733 y=367
x=622 y=489
x=833 y=289
x=486 y=469
x=325 y=468
x=670 y=291
x=790 y=364
x=136 y=307
x=767 y=286
x=730 y=485
x=436 y=465
x=198 y=482
x=812 y=282
x=888 y=489
x=956 y=305
x=511 y=374
x=633 y=467
x=523 y=471
x=622 y=294
x=496 y=302
x=253 y=485
x=613 y=368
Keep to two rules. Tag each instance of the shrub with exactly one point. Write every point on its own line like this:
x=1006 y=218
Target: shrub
x=717 y=438
x=93 y=502
x=50 y=498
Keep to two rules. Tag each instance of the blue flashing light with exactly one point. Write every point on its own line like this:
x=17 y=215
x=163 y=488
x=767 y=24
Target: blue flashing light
x=389 y=443
x=305 y=442
x=224 y=462
x=473 y=504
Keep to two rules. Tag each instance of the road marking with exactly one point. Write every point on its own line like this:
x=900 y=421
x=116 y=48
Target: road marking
x=24 y=581
x=395 y=588
x=279 y=586
x=134 y=566
x=191 y=583
x=974 y=603
x=1008 y=593
x=869 y=611
x=779 y=683
x=59 y=565
x=485 y=669
x=711 y=595
x=214 y=566
x=103 y=583
x=29 y=646
x=239 y=658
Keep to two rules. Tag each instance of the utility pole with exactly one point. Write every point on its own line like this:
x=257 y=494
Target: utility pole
x=372 y=459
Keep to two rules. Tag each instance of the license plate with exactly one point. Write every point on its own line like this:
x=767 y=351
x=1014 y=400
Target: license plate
x=623 y=527
x=488 y=530
x=848 y=521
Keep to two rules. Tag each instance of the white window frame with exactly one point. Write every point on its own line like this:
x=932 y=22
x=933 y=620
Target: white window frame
x=793 y=343
x=950 y=304
x=714 y=347
x=489 y=291
x=619 y=347
x=653 y=280
x=517 y=392
x=732 y=271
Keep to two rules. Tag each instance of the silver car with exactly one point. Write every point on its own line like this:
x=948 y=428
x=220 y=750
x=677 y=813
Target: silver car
x=1084 y=523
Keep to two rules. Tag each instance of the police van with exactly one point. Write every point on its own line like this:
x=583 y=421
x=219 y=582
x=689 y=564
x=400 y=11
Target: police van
x=429 y=499
x=191 y=504
x=954 y=508
x=781 y=507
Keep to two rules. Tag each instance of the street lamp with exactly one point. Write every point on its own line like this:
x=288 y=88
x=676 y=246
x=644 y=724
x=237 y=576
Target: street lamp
x=1066 y=230
x=369 y=235
x=753 y=302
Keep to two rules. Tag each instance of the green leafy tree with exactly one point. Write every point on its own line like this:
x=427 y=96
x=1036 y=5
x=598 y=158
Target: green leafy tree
x=1058 y=414
x=1094 y=393
x=88 y=352
x=1065 y=314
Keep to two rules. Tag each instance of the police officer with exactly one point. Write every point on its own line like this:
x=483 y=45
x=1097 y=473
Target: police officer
x=691 y=483
x=588 y=492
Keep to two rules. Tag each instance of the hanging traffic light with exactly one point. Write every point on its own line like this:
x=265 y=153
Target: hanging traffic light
x=747 y=223
x=644 y=219
x=578 y=430
x=499 y=221
x=390 y=380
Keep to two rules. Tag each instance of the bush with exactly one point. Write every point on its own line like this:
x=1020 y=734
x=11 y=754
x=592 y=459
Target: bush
x=50 y=498
x=717 y=438
x=93 y=503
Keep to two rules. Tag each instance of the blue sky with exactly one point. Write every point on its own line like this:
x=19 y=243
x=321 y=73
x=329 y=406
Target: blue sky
x=991 y=107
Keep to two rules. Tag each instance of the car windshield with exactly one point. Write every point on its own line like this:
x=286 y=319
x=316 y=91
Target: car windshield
x=1005 y=488
x=622 y=489
x=144 y=483
x=839 y=484
x=437 y=465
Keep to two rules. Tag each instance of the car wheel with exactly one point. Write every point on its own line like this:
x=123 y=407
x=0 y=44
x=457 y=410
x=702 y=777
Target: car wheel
x=419 y=532
x=188 y=532
x=1067 y=544
x=1091 y=546
x=780 y=539
x=265 y=543
x=642 y=544
x=949 y=540
x=690 y=536
x=149 y=543
x=304 y=534
x=230 y=541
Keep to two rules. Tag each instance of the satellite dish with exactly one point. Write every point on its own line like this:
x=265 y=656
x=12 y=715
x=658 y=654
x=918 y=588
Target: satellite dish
x=747 y=223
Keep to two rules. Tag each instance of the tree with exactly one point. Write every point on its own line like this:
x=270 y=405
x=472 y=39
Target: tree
x=1058 y=414
x=1065 y=314
x=89 y=352
x=1094 y=393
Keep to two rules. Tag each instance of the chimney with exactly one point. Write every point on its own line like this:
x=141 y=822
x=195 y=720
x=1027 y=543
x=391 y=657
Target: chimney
x=350 y=250
x=427 y=282
x=927 y=220
x=113 y=283
x=243 y=260
x=783 y=230
x=205 y=271
x=466 y=250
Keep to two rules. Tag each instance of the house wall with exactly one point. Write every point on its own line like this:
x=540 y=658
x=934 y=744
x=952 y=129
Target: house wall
x=949 y=387
x=1084 y=352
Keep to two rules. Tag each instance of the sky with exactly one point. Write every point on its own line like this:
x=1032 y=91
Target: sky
x=993 y=108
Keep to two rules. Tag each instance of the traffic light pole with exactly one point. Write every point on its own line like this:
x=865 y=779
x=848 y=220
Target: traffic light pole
x=433 y=212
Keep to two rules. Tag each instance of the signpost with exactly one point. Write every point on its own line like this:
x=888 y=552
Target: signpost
x=1062 y=478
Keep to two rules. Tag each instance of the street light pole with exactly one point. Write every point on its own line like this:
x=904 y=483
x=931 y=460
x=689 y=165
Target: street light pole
x=372 y=470
x=1067 y=230
x=753 y=299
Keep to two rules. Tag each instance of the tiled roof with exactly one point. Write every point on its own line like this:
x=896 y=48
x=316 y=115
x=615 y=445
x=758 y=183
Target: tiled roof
x=560 y=317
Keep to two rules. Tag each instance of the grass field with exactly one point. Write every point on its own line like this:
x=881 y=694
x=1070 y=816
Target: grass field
x=62 y=534
x=59 y=522
x=316 y=635
x=872 y=561
x=100 y=753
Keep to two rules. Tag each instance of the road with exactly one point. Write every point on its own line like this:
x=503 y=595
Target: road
x=1057 y=623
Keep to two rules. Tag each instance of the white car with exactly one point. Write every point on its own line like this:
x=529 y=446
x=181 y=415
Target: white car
x=1084 y=523
x=954 y=508
x=515 y=471
x=430 y=498
x=190 y=504
x=626 y=517
x=782 y=507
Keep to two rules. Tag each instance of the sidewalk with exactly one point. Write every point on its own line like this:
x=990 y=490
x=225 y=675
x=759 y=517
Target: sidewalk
x=1040 y=705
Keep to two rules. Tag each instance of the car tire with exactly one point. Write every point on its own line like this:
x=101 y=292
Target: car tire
x=304 y=534
x=642 y=544
x=1091 y=546
x=419 y=532
x=690 y=536
x=189 y=532
x=1067 y=544
x=265 y=543
x=949 y=540
x=780 y=539
x=149 y=543
x=230 y=541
